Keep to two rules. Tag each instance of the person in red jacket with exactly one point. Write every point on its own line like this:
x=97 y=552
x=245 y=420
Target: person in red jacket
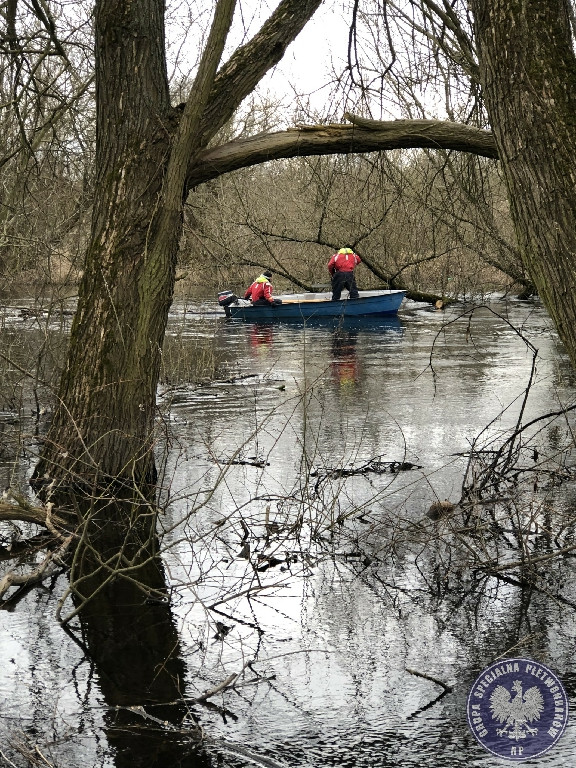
x=261 y=291
x=341 y=266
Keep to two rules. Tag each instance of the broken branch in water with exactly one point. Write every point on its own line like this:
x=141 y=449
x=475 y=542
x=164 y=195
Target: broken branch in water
x=227 y=683
x=47 y=567
x=447 y=688
x=376 y=465
x=22 y=511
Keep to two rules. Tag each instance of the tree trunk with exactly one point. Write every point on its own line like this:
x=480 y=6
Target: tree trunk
x=103 y=425
x=102 y=434
x=528 y=72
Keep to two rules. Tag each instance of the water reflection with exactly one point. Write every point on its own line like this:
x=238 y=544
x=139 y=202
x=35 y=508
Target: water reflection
x=128 y=632
x=351 y=585
x=261 y=337
x=345 y=364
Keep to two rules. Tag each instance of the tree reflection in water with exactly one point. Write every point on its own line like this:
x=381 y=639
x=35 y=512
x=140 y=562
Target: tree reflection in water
x=128 y=632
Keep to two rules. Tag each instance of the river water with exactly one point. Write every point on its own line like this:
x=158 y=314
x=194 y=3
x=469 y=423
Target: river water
x=298 y=551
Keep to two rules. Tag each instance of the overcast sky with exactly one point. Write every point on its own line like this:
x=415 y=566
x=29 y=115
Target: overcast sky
x=308 y=61
x=305 y=69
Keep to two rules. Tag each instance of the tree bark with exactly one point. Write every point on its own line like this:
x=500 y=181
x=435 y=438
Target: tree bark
x=528 y=73
x=101 y=438
x=103 y=424
x=340 y=138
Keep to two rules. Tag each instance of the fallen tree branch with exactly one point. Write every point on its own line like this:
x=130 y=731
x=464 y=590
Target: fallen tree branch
x=227 y=683
x=447 y=688
x=376 y=465
x=23 y=512
x=47 y=567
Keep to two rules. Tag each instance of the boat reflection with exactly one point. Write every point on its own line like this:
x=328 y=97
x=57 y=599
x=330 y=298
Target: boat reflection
x=343 y=339
x=263 y=331
x=261 y=334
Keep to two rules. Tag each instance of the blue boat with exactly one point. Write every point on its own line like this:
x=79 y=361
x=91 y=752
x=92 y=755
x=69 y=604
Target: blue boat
x=302 y=306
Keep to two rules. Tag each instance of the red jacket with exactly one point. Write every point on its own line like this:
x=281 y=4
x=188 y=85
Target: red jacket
x=343 y=262
x=260 y=289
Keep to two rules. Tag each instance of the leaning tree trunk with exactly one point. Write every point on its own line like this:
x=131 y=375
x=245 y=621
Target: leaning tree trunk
x=528 y=72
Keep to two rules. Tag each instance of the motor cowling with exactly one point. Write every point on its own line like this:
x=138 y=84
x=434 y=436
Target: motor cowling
x=225 y=298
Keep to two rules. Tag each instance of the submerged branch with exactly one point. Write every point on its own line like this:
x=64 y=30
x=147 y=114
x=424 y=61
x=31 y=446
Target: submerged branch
x=376 y=465
x=47 y=568
x=227 y=683
x=447 y=688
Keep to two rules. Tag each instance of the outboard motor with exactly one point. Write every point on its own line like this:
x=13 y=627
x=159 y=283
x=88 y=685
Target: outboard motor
x=225 y=298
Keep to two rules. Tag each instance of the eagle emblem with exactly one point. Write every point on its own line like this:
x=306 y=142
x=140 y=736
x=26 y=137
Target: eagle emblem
x=517 y=710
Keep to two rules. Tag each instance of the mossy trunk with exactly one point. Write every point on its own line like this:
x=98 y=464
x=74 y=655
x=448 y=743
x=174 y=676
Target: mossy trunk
x=103 y=425
x=102 y=435
x=528 y=72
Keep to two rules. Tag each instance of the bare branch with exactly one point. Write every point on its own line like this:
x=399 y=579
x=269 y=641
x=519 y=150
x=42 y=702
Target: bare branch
x=26 y=513
x=248 y=65
x=186 y=140
x=46 y=568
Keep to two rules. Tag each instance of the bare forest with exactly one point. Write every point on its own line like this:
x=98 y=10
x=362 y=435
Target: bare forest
x=174 y=485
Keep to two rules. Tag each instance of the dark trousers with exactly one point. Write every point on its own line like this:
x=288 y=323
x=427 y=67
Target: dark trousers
x=342 y=280
x=264 y=303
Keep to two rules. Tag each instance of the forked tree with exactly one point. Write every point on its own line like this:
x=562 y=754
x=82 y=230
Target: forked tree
x=148 y=156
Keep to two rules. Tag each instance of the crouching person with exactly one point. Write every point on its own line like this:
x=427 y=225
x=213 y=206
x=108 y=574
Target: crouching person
x=260 y=292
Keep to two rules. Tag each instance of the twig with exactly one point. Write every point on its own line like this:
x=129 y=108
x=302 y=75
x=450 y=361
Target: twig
x=227 y=683
x=3 y=756
x=38 y=752
x=447 y=688
x=519 y=644
x=238 y=750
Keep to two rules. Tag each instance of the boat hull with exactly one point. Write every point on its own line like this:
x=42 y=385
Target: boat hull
x=317 y=305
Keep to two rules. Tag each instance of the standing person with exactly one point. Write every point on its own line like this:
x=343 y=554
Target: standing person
x=261 y=291
x=341 y=266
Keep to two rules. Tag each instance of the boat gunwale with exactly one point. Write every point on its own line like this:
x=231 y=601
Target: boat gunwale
x=326 y=296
